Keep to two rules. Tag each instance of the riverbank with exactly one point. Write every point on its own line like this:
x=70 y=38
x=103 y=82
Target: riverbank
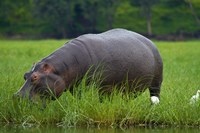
x=181 y=81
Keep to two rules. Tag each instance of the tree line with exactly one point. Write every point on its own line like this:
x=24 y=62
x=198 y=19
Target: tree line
x=70 y=18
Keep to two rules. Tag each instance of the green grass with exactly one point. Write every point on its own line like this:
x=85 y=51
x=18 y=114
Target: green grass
x=181 y=81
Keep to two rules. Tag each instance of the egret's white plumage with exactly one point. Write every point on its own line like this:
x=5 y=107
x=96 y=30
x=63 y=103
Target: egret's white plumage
x=154 y=100
x=195 y=97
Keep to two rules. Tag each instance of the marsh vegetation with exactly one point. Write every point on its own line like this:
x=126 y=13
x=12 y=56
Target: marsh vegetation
x=181 y=81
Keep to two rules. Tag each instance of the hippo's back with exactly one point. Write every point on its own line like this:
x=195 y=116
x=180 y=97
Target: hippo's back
x=123 y=53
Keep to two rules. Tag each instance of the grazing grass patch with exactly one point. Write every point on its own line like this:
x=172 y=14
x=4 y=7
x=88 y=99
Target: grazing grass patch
x=181 y=81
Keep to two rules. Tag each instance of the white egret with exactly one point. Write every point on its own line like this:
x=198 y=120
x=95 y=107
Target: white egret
x=154 y=100
x=195 y=97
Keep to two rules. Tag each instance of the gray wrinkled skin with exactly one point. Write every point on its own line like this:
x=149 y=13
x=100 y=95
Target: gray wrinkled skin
x=124 y=54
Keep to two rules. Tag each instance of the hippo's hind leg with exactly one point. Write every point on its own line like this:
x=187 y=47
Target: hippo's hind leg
x=154 y=90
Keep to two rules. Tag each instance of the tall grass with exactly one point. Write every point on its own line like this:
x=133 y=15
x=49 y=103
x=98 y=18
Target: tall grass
x=181 y=81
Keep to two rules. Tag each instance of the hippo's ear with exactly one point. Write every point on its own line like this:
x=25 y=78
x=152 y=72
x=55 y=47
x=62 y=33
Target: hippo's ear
x=48 y=68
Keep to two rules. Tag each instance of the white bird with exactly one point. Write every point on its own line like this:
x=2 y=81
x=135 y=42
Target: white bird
x=195 y=98
x=155 y=100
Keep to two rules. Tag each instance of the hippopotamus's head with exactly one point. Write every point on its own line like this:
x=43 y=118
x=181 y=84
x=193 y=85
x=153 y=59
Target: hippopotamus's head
x=42 y=81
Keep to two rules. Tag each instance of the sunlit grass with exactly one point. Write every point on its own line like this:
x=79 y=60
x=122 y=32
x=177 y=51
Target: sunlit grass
x=181 y=81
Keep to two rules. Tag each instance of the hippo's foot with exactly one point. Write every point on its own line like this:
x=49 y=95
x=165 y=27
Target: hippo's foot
x=155 y=100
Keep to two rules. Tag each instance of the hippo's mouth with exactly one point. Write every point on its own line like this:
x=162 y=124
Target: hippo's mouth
x=38 y=92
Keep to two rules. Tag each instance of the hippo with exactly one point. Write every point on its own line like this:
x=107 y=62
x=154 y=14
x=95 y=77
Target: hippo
x=124 y=55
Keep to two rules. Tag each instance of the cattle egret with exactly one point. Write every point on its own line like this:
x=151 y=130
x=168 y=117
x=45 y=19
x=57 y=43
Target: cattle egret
x=154 y=100
x=195 y=97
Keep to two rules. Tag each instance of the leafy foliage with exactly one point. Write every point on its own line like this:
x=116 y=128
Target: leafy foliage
x=70 y=18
